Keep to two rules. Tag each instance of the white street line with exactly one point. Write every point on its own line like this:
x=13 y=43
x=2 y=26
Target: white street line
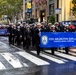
x=2 y=43
x=33 y=59
x=73 y=53
x=17 y=48
x=25 y=65
x=50 y=58
x=2 y=67
x=12 y=60
x=64 y=55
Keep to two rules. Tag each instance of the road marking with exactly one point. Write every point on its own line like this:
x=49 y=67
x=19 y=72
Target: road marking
x=17 y=47
x=50 y=58
x=12 y=60
x=70 y=52
x=2 y=43
x=30 y=57
x=25 y=65
x=33 y=59
x=2 y=67
x=63 y=55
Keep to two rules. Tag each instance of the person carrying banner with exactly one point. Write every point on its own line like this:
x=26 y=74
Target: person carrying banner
x=67 y=29
x=53 y=30
x=38 y=31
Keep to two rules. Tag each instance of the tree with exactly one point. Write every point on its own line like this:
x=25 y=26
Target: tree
x=74 y=7
x=11 y=8
x=52 y=19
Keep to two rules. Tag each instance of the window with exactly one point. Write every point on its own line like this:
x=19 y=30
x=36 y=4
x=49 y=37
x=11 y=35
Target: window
x=51 y=9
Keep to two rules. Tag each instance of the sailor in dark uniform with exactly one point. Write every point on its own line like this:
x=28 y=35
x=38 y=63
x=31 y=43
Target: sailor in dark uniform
x=33 y=35
x=10 y=32
x=23 y=28
x=61 y=27
x=37 y=37
x=53 y=30
x=14 y=34
x=19 y=36
x=28 y=37
x=57 y=27
x=43 y=27
x=49 y=27
x=67 y=29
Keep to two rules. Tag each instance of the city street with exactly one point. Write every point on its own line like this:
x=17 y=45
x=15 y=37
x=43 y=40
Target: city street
x=38 y=37
x=15 y=61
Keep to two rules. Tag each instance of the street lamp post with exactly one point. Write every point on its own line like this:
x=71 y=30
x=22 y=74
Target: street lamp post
x=57 y=7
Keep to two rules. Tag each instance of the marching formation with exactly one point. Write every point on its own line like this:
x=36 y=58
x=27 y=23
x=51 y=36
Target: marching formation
x=29 y=34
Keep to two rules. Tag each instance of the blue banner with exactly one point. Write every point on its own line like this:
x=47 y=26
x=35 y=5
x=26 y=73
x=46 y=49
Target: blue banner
x=3 y=31
x=57 y=39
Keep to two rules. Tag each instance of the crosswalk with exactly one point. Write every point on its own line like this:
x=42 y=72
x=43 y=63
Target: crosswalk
x=32 y=58
x=21 y=59
x=63 y=55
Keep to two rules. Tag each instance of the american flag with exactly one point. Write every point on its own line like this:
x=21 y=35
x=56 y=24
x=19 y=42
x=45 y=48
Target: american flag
x=44 y=1
x=38 y=2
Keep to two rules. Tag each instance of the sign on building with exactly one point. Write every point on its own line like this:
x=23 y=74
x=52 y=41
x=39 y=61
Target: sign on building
x=58 y=11
x=29 y=5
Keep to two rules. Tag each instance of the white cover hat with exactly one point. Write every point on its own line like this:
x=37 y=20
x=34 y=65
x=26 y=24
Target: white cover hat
x=39 y=23
x=53 y=26
x=28 y=26
x=56 y=23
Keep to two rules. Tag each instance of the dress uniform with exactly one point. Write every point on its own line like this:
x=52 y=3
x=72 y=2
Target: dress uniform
x=37 y=37
x=28 y=37
x=67 y=29
x=10 y=32
x=33 y=35
x=14 y=34
x=49 y=27
x=19 y=36
x=57 y=27
x=53 y=30
x=22 y=33
x=61 y=27
x=43 y=27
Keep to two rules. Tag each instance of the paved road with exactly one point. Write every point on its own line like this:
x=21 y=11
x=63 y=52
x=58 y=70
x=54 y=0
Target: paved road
x=15 y=61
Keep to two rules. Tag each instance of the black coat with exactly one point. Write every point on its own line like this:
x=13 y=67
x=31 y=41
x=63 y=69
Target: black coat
x=18 y=32
x=27 y=34
x=14 y=32
x=22 y=31
x=57 y=29
x=10 y=31
x=37 y=36
x=61 y=28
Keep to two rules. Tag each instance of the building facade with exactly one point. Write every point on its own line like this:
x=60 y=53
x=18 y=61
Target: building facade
x=42 y=9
